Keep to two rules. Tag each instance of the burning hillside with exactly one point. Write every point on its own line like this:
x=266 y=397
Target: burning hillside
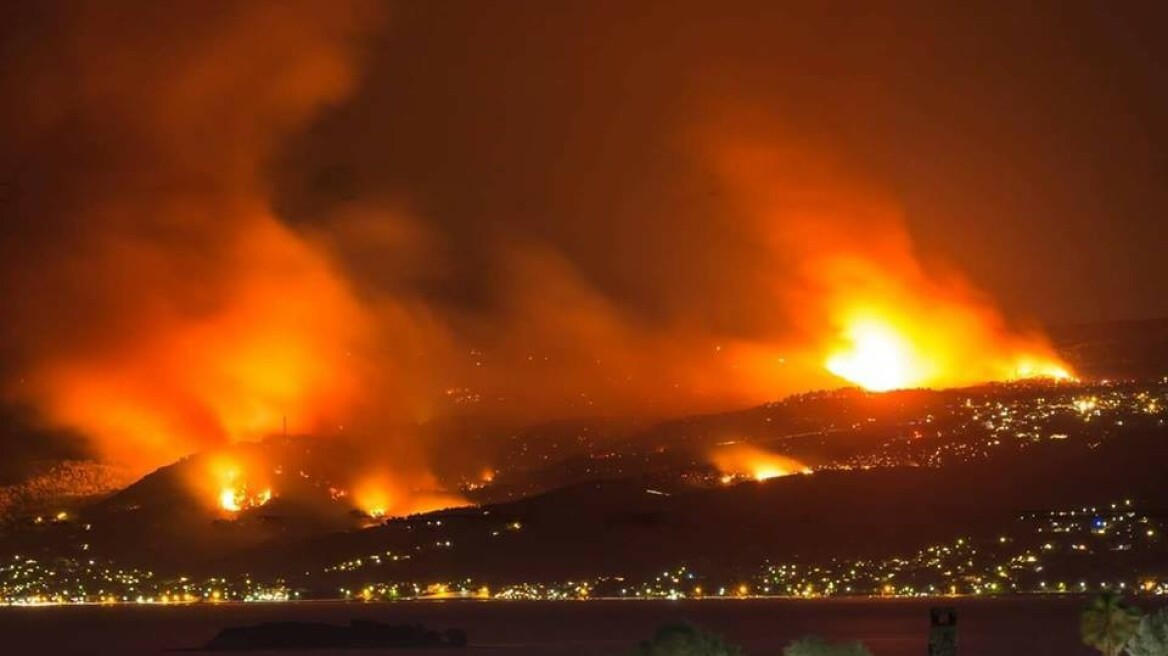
x=170 y=305
x=321 y=476
x=872 y=312
x=737 y=461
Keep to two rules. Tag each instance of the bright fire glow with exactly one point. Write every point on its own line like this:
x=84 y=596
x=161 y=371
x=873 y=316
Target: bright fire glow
x=275 y=354
x=229 y=499
x=737 y=461
x=383 y=495
x=879 y=358
x=235 y=499
x=234 y=491
x=878 y=314
x=880 y=353
x=372 y=496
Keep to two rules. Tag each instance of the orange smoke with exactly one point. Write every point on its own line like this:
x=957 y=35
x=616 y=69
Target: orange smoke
x=176 y=310
x=394 y=495
x=275 y=351
x=737 y=461
x=373 y=495
x=871 y=312
x=887 y=348
x=560 y=347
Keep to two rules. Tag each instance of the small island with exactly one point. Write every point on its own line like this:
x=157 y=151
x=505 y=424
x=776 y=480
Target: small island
x=359 y=634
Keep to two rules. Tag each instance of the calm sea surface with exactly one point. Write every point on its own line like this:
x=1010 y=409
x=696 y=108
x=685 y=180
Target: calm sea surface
x=1004 y=627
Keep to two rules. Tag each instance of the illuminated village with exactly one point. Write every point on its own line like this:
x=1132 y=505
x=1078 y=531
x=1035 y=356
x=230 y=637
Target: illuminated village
x=1117 y=546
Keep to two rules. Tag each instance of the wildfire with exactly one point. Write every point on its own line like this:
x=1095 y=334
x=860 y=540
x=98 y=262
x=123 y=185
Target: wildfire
x=235 y=499
x=736 y=461
x=850 y=273
x=229 y=499
x=372 y=496
x=879 y=358
x=233 y=491
x=382 y=495
x=881 y=354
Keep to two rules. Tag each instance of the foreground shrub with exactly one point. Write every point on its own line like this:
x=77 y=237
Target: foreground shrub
x=685 y=640
x=1107 y=624
x=1151 y=638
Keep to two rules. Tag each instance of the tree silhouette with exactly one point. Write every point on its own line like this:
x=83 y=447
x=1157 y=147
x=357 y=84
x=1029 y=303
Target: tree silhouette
x=1151 y=639
x=1107 y=623
x=685 y=640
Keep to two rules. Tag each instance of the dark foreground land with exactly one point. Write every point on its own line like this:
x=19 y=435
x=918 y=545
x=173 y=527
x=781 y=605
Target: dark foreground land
x=1000 y=627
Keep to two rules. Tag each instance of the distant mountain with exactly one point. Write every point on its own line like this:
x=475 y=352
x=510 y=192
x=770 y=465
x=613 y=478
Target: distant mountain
x=172 y=517
x=894 y=471
x=59 y=486
x=1116 y=349
x=625 y=527
x=44 y=471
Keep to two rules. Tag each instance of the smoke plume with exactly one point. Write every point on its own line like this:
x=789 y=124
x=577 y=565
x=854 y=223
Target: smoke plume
x=162 y=305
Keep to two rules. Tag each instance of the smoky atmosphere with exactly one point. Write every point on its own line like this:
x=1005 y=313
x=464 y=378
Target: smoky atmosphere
x=850 y=313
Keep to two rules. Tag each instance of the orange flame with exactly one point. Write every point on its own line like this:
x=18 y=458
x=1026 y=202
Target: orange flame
x=382 y=495
x=737 y=461
x=879 y=358
x=852 y=280
x=236 y=498
x=233 y=483
x=881 y=354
